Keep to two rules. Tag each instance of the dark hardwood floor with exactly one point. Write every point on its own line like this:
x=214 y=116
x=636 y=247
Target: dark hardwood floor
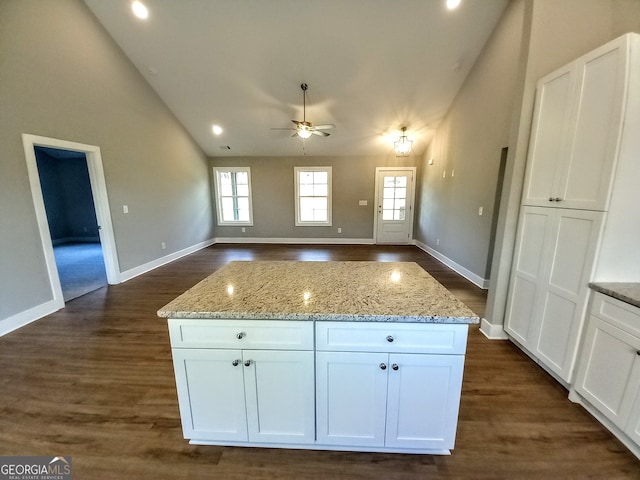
x=94 y=381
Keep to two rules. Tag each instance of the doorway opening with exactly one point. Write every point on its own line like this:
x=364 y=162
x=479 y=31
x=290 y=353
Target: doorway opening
x=71 y=215
x=70 y=199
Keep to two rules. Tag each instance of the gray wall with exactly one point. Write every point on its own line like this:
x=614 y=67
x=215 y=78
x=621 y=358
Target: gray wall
x=63 y=77
x=469 y=142
x=272 y=182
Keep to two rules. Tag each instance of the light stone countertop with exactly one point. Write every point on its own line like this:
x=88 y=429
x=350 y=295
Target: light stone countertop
x=329 y=291
x=627 y=292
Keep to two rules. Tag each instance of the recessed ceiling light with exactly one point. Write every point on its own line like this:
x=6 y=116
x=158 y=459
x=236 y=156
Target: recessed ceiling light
x=217 y=130
x=139 y=9
x=451 y=4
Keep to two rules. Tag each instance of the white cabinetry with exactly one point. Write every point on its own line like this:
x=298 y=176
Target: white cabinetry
x=553 y=261
x=388 y=386
x=608 y=377
x=580 y=214
x=244 y=381
x=575 y=131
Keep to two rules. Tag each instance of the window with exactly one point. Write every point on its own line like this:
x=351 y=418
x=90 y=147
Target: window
x=394 y=197
x=313 y=196
x=233 y=195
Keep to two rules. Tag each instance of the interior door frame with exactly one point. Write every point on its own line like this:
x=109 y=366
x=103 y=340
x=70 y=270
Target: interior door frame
x=380 y=171
x=100 y=200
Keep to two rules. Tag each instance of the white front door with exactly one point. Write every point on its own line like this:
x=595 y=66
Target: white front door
x=394 y=204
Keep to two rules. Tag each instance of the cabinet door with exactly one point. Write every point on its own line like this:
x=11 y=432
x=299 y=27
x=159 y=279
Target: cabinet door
x=609 y=372
x=573 y=238
x=211 y=394
x=528 y=275
x=351 y=393
x=279 y=388
x=587 y=173
x=633 y=425
x=423 y=400
x=550 y=143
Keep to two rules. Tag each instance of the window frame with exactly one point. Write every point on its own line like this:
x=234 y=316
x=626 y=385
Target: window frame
x=329 y=197
x=218 y=190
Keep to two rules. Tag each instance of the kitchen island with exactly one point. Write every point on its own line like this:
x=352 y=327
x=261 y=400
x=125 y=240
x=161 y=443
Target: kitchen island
x=363 y=356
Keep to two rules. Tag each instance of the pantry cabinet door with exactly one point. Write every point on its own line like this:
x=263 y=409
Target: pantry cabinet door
x=423 y=400
x=351 y=395
x=529 y=275
x=588 y=170
x=279 y=388
x=550 y=143
x=573 y=238
x=210 y=388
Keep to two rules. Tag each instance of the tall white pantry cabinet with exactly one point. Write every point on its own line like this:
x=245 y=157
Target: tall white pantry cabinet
x=580 y=214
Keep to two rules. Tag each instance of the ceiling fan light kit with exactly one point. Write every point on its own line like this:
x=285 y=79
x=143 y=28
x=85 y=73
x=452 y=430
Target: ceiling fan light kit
x=303 y=128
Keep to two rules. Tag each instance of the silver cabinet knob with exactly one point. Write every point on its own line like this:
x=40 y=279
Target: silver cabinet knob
x=551 y=199
x=240 y=336
x=558 y=199
x=395 y=366
x=247 y=363
x=389 y=339
x=235 y=363
x=383 y=366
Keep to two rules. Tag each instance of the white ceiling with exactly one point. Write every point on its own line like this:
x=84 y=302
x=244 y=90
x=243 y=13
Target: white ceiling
x=372 y=66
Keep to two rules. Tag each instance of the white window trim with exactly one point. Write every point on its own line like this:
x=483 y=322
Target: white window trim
x=300 y=223
x=216 y=180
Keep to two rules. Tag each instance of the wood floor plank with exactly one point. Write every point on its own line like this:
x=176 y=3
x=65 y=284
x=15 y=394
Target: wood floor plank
x=95 y=381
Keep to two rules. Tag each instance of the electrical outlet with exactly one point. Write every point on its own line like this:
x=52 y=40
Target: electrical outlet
x=125 y=208
x=244 y=230
x=444 y=174
x=480 y=211
x=163 y=245
x=453 y=173
x=362 y=203
x=339 y=230
x=437 y=241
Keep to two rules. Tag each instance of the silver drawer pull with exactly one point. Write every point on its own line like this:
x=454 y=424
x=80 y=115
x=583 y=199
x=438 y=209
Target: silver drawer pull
x=395 y=366
x=389 y=339
x=383 y=366
x=247 y=363
x=241 y=335
x=235 y=363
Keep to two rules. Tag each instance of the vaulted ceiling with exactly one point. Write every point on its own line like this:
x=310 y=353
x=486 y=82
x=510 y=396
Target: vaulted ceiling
x=372 y=66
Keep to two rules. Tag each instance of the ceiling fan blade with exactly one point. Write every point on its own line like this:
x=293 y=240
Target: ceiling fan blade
x=324 y=127
x=283 y=129
x=294 y=135
x=322 y=134
x=296 y=122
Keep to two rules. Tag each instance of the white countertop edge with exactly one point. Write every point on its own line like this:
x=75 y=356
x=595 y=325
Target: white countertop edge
x=318 y=317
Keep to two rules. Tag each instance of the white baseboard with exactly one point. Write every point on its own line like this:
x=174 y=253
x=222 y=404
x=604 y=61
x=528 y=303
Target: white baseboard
x=331 y=241
x=36 y=313
x=492 y=332
x=468 y=274
x=21 y=319
x=147 y=267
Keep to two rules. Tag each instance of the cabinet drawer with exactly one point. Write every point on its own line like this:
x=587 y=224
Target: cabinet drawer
x=442 y=338
x=241 y=334
x=618 y=313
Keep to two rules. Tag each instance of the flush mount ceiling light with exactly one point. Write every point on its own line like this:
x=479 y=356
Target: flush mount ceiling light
x=403 y=145
x=217 y=129
x=139 y=10
x=452 y=4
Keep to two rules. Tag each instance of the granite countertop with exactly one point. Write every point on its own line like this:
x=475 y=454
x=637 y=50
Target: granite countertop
x=338 y=291
x=627 y=292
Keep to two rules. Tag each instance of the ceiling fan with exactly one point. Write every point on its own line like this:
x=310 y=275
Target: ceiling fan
x=305 y=129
